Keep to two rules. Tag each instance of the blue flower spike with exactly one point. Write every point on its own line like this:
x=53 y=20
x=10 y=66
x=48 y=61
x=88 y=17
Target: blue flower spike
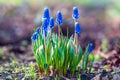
x=59 y=18
x=46 y=14
x=51 y=22
x=90 y=48
x=44 y=24
x=37 y=30
x=75 y=13
x=77 y=27
x=34 y=36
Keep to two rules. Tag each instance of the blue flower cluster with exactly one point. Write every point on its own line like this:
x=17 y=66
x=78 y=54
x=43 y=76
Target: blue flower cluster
x=77 y=27
x=59 y=18
x=48 y=22
x=34 y=36
x=46 y=14
x=51 y=22
x=37 y=30
x=90 y=48
x=75 y=13
x=44 y=24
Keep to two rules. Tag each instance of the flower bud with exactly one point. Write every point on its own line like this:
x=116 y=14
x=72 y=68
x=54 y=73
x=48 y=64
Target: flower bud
x=75 y=14
x=90 y=48
x=51 y=22
x=37 y=29
x=59 y=18
x=77 y=27
x=34 y=36
x=46 y=15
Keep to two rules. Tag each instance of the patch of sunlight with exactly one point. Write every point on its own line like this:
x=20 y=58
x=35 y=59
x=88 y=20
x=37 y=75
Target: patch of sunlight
x=14 y=2
x=114 y=11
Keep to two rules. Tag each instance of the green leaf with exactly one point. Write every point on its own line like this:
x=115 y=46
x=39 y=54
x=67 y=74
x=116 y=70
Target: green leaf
x=40 y=56
x=79 y=55
x=85 y=59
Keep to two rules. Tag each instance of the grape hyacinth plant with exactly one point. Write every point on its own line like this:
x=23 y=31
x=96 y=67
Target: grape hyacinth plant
x=55 y=54
x=59 y=21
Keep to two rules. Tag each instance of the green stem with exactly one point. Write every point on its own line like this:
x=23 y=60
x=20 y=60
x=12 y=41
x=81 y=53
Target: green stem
x=76 y=39
x=59 y=31
x=45 y=48
x=90 y=67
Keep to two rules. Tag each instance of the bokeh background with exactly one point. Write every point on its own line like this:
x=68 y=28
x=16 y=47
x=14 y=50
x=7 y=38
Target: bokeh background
x=99 y=19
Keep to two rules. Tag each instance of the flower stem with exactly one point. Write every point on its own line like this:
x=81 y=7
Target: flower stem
x=76 y=43
x=59 y=31
x=76 y=39
x=45 y=45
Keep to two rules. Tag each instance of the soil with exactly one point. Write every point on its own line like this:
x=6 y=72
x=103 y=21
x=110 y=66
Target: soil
x=15 y=62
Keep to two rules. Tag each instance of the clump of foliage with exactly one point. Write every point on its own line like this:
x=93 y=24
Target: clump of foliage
x=55 y=53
